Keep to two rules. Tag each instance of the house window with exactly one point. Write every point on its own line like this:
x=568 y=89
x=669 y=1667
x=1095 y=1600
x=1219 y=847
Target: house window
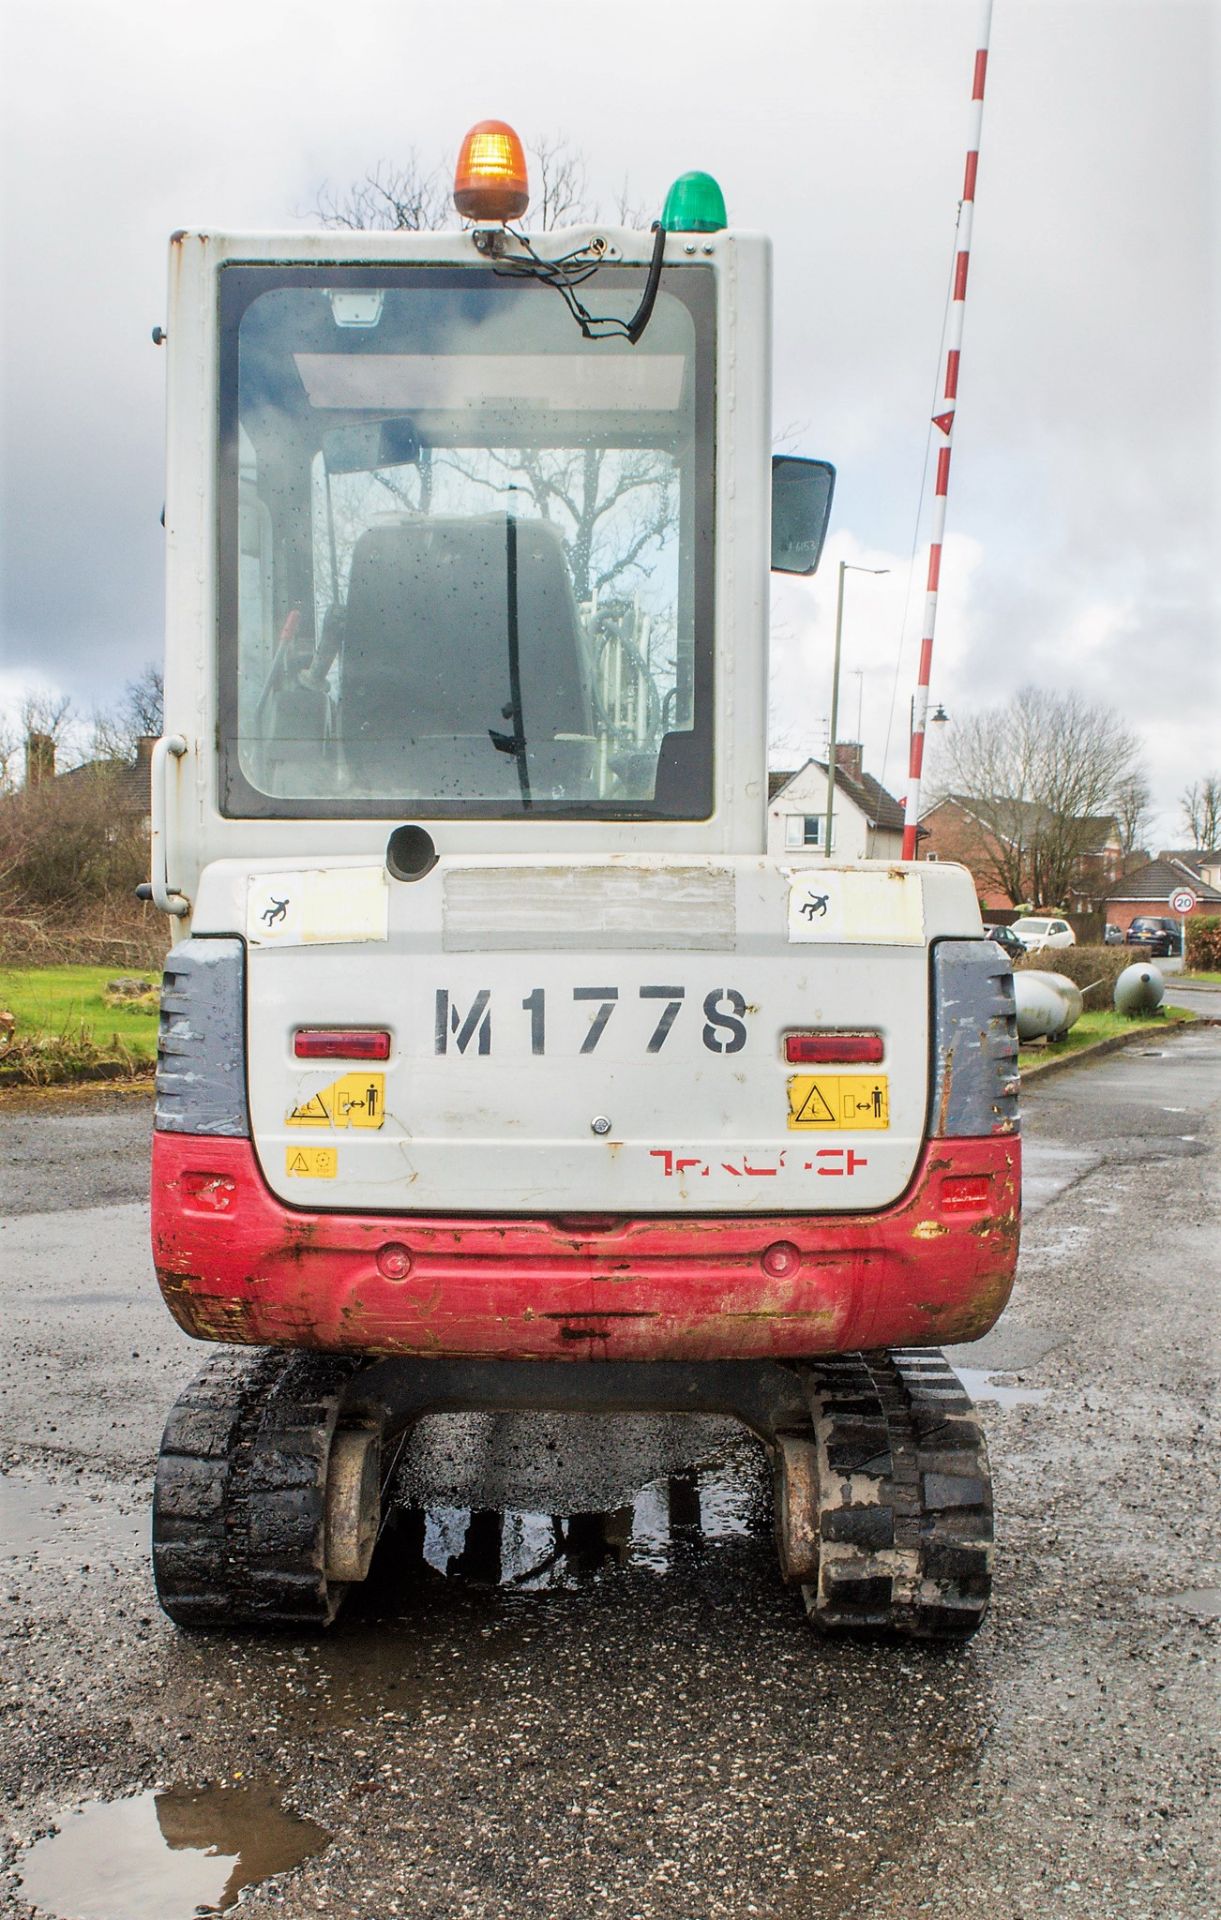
x=804 y=830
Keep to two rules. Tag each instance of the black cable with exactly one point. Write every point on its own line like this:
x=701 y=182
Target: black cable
x=572 y=270
x=644 y=312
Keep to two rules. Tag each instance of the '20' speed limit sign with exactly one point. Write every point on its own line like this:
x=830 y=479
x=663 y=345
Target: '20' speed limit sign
x=1182 y=900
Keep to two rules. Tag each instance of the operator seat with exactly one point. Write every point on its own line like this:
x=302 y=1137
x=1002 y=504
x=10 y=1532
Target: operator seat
x=424 y=680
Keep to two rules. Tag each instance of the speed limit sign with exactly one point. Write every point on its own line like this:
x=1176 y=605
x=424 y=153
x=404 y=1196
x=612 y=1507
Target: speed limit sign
x=1182 y=900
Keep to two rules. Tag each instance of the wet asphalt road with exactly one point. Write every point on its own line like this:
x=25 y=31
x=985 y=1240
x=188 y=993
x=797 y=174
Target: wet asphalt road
x=636 y=1721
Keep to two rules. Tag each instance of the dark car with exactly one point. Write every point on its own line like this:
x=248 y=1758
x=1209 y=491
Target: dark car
x=1163 y=937
x=1007 y=939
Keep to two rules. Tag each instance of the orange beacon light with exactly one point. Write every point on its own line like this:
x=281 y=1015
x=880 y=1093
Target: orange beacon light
x=490 y=178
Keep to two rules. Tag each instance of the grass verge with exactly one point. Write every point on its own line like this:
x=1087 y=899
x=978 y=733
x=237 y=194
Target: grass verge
x=66 y=1027
x=1094 y=1028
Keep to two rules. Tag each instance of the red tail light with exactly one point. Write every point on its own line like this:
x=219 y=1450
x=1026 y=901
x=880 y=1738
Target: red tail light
x=833 y=1049
x=341 y=1043
x=965 y=1192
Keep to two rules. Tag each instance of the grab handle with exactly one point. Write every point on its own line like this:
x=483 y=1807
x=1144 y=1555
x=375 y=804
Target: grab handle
x=165 y=898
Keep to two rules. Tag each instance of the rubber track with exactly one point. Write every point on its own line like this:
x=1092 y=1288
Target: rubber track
x=905 y=1498
x=238 y=1508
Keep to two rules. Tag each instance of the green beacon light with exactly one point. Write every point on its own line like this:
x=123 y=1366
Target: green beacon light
x=694 y=204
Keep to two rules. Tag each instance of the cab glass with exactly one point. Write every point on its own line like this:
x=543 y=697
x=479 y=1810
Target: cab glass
x=466 y=554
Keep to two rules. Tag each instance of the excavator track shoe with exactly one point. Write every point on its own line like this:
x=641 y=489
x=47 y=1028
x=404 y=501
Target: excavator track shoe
x=903 y=1496
x=264 y=1509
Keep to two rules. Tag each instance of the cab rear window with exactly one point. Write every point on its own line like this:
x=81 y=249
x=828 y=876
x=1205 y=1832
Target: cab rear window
x=466 y=554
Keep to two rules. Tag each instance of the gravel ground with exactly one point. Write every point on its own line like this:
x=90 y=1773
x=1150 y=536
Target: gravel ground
x=636 y=1721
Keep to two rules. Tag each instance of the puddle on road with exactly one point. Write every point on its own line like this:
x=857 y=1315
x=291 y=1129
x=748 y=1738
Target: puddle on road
x=530 y=1552
x=174 y=1855
x=1201 y=1600
x=987 y=1367
x=65 y=1526
x=984 y=1386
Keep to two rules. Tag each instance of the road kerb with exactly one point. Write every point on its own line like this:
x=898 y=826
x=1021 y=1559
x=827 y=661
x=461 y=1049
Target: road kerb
x=1114 y=1043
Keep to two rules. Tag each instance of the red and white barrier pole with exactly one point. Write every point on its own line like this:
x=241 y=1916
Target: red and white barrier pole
x=944 y=421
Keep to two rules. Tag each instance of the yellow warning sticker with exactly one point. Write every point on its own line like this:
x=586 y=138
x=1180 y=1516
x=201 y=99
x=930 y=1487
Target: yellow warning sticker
x=312 y=1163
x=839 y=1102
x=354 y=1100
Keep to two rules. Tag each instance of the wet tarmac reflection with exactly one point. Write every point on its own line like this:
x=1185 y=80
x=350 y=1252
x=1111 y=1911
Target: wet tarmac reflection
x=525 y=1550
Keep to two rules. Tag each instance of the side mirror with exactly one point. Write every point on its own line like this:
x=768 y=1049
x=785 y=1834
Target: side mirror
x=802 y=491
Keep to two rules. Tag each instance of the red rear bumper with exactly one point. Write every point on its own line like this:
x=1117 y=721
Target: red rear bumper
x=235 y=1264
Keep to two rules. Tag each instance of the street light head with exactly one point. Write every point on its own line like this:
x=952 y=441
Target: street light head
x=939 y=716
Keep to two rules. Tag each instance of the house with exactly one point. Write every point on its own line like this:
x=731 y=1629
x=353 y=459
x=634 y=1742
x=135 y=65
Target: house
x=1148 y=890
x=1206 y=863
x=867 y=822
x=130 y=789
x=955 y=831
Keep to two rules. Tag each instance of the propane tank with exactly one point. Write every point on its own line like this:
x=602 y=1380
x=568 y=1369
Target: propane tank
x=1043 y=1007
x=1139 y=989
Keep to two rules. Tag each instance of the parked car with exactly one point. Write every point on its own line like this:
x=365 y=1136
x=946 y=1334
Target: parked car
x=1161 y=935
x=1112 y=935
x=1036 y=933
x=1005 y=937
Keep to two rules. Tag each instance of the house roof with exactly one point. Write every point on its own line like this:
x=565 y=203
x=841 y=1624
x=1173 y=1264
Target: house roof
x=130 y=786
x=1026 y=816
x=1158 y=880
x=880 y=808
x=1196 y=857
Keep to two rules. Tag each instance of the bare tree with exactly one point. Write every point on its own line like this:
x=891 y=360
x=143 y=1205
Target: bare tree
x=407 y=196
x=10 y=757
x=144 y=701
x=389 y=198
x=1038 y=774
x=138 y=716
x=630 y=212
x=50 y=714
x=67 y=845
x=1133 y=806
x=560 y=197
x=580 y=491
x=1200 y=805
x=50 y=734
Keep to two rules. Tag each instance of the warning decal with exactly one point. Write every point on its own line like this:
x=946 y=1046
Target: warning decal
x=354 y=1100
x=842 y=1102
x=311 y=1163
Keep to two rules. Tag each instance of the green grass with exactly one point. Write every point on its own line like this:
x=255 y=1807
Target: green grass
x=63 y=1011
x=1201 y=976
x=1103 y=1025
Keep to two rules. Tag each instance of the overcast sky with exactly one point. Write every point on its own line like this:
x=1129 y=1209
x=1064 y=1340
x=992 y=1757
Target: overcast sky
x=1083 y=512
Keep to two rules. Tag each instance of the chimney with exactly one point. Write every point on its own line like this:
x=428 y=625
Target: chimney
x=39 y=758
x=848 y=758
x=144 y=751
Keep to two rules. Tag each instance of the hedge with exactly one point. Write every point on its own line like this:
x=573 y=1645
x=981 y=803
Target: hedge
x=1084 y=966
x=1203 y=945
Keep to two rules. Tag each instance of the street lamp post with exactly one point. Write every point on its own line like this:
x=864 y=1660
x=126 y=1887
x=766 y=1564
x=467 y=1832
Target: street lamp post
x=845 y=566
